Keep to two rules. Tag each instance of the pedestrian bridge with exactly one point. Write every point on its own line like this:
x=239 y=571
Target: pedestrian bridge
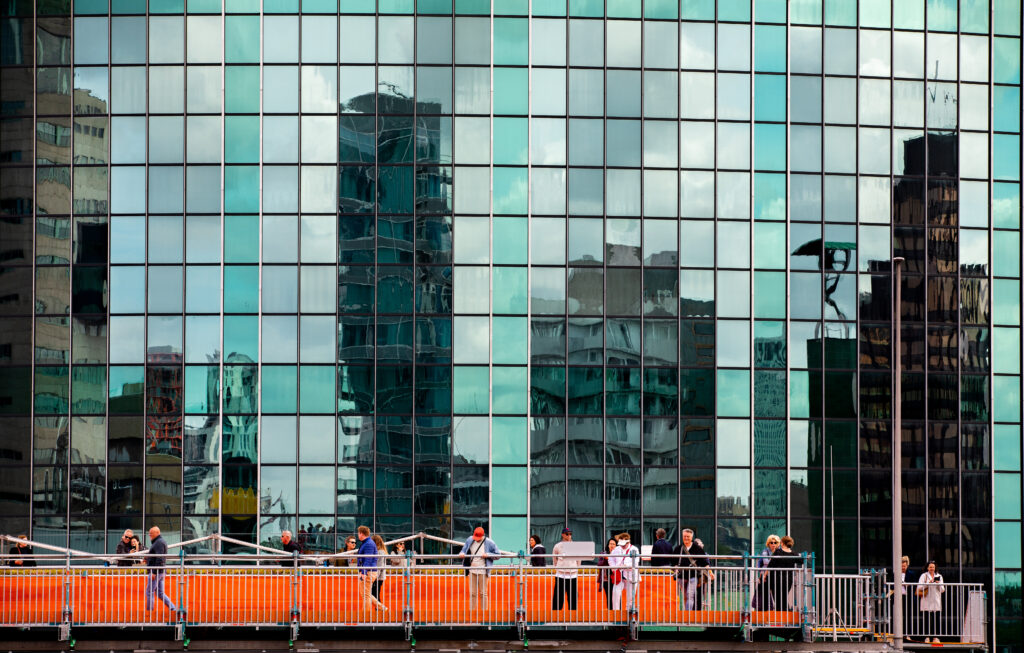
x=68 y=590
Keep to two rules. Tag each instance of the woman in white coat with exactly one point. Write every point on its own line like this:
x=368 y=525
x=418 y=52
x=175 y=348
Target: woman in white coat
x=624 y=562
x=929 y=590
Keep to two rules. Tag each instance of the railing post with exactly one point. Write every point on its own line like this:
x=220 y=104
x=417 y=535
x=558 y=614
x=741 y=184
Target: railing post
x=748 y=602
x=296 y=588
x=407 y=601
x=633 y=614
x=179 y=628
x=68 y=610
x=808 y=598
x=520 y=597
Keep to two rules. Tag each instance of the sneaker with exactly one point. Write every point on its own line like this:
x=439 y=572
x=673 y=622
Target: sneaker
x=384 y=608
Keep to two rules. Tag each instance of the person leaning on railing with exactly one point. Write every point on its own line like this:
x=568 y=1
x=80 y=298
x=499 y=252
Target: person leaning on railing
x=537 y=552
x=478 y=553
x=291 y=546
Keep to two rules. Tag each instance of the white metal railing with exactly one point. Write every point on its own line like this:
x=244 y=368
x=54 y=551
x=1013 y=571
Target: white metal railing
x=943 y=612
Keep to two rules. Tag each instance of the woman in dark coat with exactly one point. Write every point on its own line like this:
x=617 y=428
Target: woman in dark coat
x=537 y=552
x=781 y=572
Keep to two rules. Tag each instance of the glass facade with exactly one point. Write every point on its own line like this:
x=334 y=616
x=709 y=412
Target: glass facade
x=429 y=264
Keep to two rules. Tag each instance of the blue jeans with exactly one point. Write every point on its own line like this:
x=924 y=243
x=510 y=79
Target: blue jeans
x=155 y=587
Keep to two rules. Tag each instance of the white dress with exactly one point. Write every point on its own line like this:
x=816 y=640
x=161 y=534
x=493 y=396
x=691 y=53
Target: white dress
x=930 y=589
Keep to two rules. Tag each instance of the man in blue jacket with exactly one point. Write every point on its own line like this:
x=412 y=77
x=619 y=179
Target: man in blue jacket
x=479 y=554
x=155 y=563
x=367 y=564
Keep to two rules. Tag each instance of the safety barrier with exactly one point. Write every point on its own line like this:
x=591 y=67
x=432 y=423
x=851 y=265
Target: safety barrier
x=942 y=612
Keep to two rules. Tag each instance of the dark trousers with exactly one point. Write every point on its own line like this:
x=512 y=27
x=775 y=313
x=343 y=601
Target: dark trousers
x=564 y=587
x=375 y=588
x=606 y=586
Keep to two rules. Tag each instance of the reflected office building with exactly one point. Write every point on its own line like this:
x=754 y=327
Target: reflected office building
x=432 y=264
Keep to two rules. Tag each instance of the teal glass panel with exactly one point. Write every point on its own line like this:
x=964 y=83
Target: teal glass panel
x=770 y=97
x=1006 y=60
x=509 y=440
x=241 y=194
x=1006 y=446
x=204 y=6
x=474 y=7
x=738 y=10
x=585 y=392
x=241 y=236
x=697 y=391
x=1006 y=496
x=434 y=6
x=510 y=486
x=1006 y=108
x=1008 y=550
x=241 y=289
x=242 y=139
x=320 y=6
x=280 y=6
x=51 y=390
x=974 y=16
x=356 y=6
x=126 y=389
x=549 y=8
x=769 y=344
x=770 y=11
x=510 y=290
x=1006 y=17
x=511 y=91
x=511 y=7
x=1006 y=157
x=167 y=7
x=1005 y=350
x=511 y=389
x=242 y=88
x=770 y=47
x=242 y=6
x=622 y=392
x=661 y=392
x=471 y=387
x=1006 y=205
x=511 y=42
x=698 y=9
x=841 y=12
x=278 y=389
x=510 y=186
x=770 y=148
x=1006 y=254
x=89 y=390
x=908 y=14
x=509 y=335
x=661 y=9
x=202 y=389
x=623 y=8
x=92 y=7
x=806 y=12
x=734 y=302
x=941 y=15
x=1005 y=398
x=770 y=295
x=586 y=8
x=1006 y=301
x=769 y=246
x=547 y=390
x=874 y=13
x=733 y=396
x=395 y=6
x=511 y=136
x=121 y=6
x=511 y=234
x=316 y=388
x=799 y=393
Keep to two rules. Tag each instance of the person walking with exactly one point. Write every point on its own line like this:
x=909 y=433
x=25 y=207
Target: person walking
x=624 y=559
x=19 y=552
x=478 y=553
x=537 y=552
x=930 y=588
x=605 y=575
x=781 y=573
x=566 y=573
x=382 y=566
x=690 y=576
x=661 y=550
x=155 y=578
x=762 y=597
x=367 y=566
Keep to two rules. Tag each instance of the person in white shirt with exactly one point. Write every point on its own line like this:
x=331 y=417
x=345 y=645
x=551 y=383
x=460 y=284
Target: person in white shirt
x=930 y=589
x=624 y=561
x=566 y=572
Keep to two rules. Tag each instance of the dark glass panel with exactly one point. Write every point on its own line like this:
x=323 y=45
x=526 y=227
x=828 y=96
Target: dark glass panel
x=697 y=443
x=355 y=239
x=875 y=445
x=697 y=343
x=395 y=187
x=434 y=290
x=355 y=339
x=395 y=139
x=661 y=442
x=875 y=346
x=355 y=490
x=394 y=289
x=240 y=439
x=876 y=299
x=769 y=393
x=975 y=349
x=943 y=499
x=697 y=391
x=547 y=340
x=976 y=538
x=696 y=491
x=623 y=490
x=622 y=341
x=394 y=390
x=433 y=340
x=395 y=239
x=876 y=494
x=943 y=301
x=661 y=292
x=547 y=491
x=974 y=398
x=975 y=444
x=974 y=301
x=623 y=391
x=357 y=189
x=943 y=349
x=355 y=389
x=586 y=291
x=394 y=339
x=585 y=490
x=624 y=291
x=661 y=391
x=585 y=390
x=356 y=288
x=943 y=444
x=433 y=489
x=586 y=339
x=943 y=401
x=547 y=440
x=547 y=390
x=909 y=242
x=470 y=487
x=433 y=389
x=943 y=251
x=908 y=202
x=433 y=440
x=394 y=490
x=357 y=139
x=433 y=239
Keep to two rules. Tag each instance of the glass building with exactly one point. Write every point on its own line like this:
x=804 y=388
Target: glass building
x=429 y=264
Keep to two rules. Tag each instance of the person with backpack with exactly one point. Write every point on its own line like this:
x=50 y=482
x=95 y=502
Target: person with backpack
x=478 y=556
